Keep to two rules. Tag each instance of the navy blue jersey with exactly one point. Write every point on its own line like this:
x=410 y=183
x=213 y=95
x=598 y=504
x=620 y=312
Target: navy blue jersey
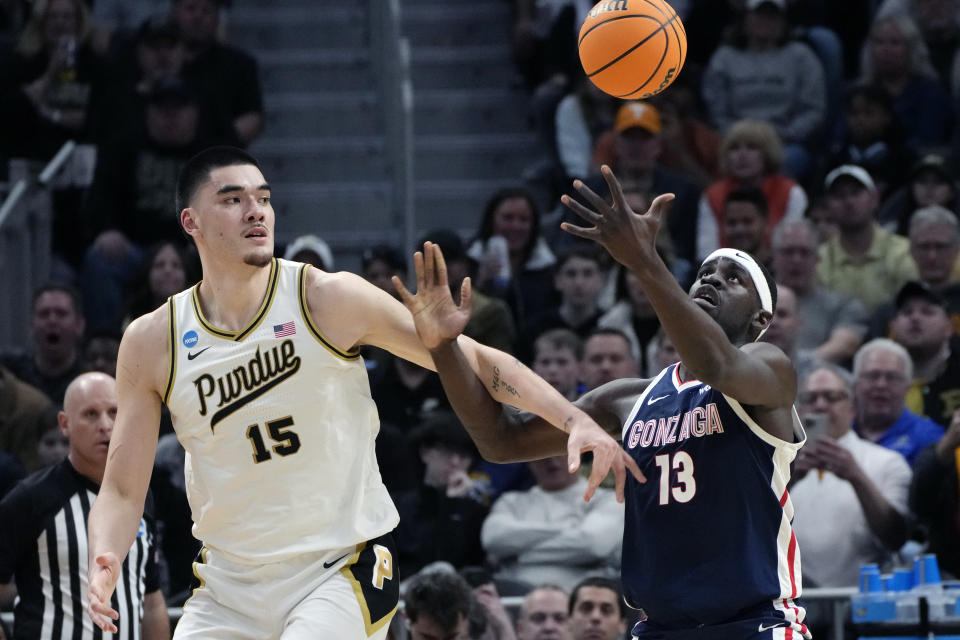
x=708 y=537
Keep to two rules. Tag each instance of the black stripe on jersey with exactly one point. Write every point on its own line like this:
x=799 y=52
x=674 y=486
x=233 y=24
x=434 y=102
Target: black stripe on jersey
x=271 y=289
x=73 y=558
x=115 y=605
x=307 y=318
x=140 y=570
x=172 y=321
x=128 y=576
x=56 y=595
x=237 y=336
x=85 y=506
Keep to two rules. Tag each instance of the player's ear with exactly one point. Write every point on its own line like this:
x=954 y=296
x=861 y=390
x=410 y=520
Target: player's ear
x=762 y=320
x=188 y=220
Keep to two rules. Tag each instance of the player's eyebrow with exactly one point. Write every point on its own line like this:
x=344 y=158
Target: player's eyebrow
x=230 y=188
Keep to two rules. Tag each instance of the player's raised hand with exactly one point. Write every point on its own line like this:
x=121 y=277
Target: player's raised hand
x=627 y=236
x=103 y=578
x=587 y=435
x=435 y=315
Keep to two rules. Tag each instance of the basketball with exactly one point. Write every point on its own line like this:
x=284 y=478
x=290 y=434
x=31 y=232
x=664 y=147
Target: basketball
x=632 y=49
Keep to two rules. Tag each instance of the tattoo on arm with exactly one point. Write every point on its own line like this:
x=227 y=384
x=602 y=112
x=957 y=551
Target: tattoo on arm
x=566 y=424
x=509 y=388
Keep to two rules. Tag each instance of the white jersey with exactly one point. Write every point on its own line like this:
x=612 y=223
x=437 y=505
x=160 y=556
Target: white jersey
x=278 y=427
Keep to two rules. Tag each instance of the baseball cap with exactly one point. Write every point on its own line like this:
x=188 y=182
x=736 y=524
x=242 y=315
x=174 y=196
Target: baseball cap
x=850 y=171
x=755 y=4
x=637 y=114
x=314 y=244
x=915 y=289
x=932 y=162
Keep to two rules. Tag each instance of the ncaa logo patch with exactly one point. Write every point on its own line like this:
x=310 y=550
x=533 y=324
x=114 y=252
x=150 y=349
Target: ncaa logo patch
x=190 y=338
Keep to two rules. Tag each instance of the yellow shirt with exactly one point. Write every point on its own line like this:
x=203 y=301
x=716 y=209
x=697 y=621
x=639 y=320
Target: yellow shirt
x=873 y=278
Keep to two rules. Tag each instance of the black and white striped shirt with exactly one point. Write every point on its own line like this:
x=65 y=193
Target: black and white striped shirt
x=43 y=545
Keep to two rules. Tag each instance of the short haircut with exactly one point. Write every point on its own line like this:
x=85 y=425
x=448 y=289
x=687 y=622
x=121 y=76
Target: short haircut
x=776 y=238
x=196 y=170
x=601 y=582
x=71 y=292
x=584 y=252
x=610 y=331
x=839 y=372
x=442 y=595
x=546 y=586
x=442 y=429
x=882 y=344
x=751 y=195
x=935 y=215
x=560 y=339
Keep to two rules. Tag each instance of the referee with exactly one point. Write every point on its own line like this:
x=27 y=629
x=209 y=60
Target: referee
x=43 y=534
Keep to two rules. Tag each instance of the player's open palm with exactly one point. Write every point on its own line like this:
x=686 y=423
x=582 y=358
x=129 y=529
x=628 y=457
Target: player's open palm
x=627 y=236
x=435 y=315
x=103 y=580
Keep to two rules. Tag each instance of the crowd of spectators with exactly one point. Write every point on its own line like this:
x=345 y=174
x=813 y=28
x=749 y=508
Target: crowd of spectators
x=824 y=147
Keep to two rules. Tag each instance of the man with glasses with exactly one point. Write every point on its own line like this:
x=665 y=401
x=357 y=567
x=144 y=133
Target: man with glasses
x=849 y=494
x=882 y=372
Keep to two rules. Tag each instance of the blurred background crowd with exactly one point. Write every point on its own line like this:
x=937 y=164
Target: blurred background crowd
x=822 y=141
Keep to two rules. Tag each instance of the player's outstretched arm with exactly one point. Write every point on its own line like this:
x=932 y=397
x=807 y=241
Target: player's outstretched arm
x=115 y=515
x=478 y=378
x=757 y=374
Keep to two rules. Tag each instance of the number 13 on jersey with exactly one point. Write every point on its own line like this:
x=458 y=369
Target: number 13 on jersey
x=685 y=486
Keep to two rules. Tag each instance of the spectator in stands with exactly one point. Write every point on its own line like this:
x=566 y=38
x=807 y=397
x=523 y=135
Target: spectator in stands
x=174 y=525
x=153 y=54
x=580 y=275
x=312 y=250
x=47 y=83
x=544 y=614
x=896 y=58
x=56 y=327
x=849 y=494
x=764 y=75
x=833 y=325
x=930 y=183
x=382 y=262
x=225 y=79
x=882 y=371
x=441 y=519
x=633 y=315
x=167 y=269
x=923 y=328
x=661 y=353
x=490 y=320
x=50 y=508
x=690 y=146
x=751 y=155
x=785 y=327
x=873 y=138
x=583 y=115
x=634 y=153
x=25 y=415
x=549 y=534
x=437 y=605
x=100 y=352
x=53 y=446
x=488 y=605
x=934 y=246
x=864 y=261
x=128 y=206
x=512 y=214
x=934 y=496
x=939 y=28
x=597 y=610
x=405 y=392
x=607 y=355
x=746 y=223
x=556 y=358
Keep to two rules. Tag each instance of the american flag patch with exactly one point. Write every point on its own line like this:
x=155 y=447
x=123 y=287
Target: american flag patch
x=285 y=329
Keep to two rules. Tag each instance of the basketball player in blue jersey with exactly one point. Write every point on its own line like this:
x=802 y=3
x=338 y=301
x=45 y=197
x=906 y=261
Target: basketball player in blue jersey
x=259 y=367
x=708 y=550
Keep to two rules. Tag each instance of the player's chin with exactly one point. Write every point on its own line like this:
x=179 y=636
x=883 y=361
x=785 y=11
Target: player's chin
x=259 y=258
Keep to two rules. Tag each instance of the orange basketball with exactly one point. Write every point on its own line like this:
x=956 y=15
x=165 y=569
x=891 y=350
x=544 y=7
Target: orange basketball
x=632 y=49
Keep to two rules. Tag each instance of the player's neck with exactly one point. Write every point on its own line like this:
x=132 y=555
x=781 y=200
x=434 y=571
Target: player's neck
x=229 y=297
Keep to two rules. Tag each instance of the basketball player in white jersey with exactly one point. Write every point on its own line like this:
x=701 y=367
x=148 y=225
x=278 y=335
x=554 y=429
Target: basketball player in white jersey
x=260 y=369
